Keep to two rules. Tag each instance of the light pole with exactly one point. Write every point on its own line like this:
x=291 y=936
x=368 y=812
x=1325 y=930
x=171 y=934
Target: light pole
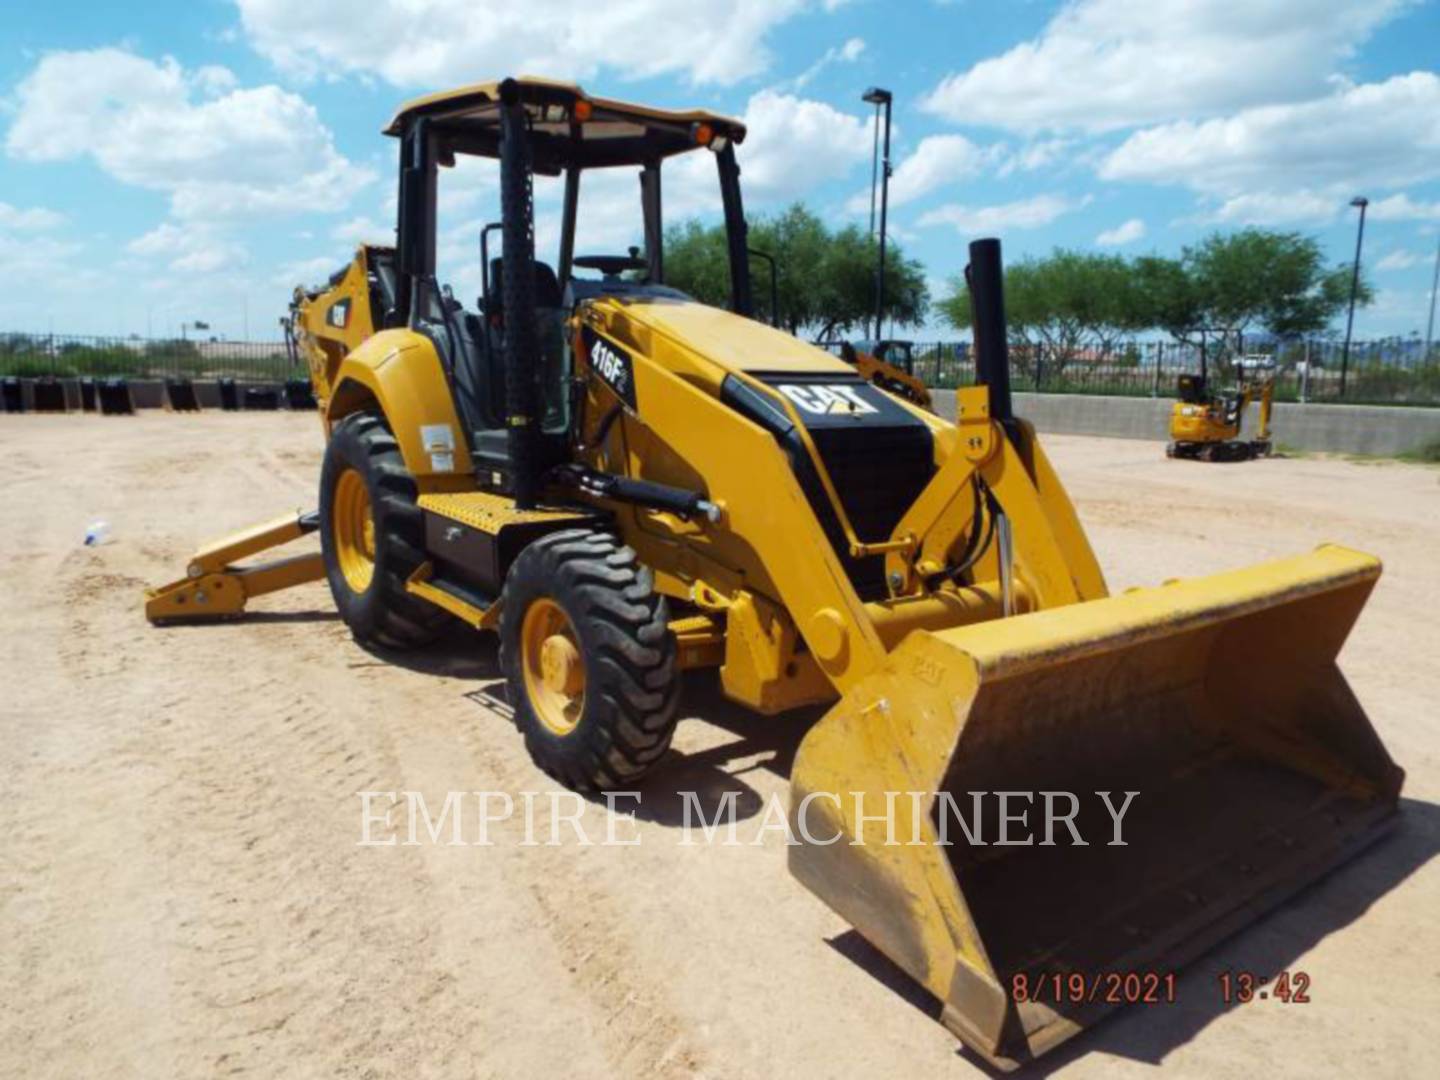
x=878 y=97
x=874 y=172
x=1362 y=203
x=1434 y=287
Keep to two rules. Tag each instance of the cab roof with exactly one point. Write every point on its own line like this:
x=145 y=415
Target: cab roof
x=568 y=126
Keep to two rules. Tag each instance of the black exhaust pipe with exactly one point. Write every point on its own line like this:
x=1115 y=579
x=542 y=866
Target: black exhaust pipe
x=986 y=277
x=522 y=347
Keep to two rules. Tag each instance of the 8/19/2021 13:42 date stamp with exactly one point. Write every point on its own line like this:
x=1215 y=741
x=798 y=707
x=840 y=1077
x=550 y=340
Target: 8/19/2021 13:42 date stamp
x=1152 y=987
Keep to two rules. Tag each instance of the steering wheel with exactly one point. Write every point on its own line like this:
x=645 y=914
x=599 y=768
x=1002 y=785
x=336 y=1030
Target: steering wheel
x=612 y=266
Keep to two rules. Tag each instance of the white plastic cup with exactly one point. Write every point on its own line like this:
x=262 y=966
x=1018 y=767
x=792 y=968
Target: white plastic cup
x=97 y=533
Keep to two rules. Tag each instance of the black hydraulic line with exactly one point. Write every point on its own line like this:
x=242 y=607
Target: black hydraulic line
x=639 y=492
x=975 y=547
x=606 y=423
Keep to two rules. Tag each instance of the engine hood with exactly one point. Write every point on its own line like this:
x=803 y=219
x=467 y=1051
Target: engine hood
x=730 y=340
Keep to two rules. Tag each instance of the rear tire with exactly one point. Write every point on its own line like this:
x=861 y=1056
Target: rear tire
x=589 y=660
x=372 y=535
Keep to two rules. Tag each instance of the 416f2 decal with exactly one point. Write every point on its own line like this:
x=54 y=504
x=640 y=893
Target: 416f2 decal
x=612 y=364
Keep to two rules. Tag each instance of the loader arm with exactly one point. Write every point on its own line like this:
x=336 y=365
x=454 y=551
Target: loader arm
x=730 y=458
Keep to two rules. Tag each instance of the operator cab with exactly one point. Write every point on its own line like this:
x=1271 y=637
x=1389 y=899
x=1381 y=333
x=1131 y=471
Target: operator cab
x=538 y=128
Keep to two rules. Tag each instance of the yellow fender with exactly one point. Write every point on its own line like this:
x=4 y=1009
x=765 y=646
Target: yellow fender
x=398 y=372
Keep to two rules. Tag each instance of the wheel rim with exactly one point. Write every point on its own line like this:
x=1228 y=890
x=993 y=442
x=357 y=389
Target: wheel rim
x=554 y=670
x=353 y=526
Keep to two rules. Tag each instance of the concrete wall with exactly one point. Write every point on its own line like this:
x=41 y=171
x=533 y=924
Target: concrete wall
x=1342 y=429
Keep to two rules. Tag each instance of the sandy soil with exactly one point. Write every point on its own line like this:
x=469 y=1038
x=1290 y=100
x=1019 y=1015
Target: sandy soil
x=183 y=893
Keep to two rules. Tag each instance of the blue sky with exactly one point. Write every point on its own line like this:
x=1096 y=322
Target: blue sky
x=180 y=161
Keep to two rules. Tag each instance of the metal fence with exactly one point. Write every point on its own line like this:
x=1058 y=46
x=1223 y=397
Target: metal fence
x=1395 y=372
x=1391 y=372
x=73 y=355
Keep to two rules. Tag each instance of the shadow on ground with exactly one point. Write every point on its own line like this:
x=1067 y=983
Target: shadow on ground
x=708 y=778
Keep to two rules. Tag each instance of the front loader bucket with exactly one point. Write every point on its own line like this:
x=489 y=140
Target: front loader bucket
x=1217 y=700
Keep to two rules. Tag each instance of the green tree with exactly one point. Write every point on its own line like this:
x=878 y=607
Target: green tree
x=695 y=261
x=1278 y=281
x=826 y=278
x=1056 y=305
x=1225 y=285
x=1169 y=297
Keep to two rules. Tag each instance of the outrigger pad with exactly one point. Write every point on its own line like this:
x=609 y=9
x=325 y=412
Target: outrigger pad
x=1216 y=700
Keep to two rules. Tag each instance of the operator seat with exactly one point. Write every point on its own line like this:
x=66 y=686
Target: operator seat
x=549 y=313
x=490 y=442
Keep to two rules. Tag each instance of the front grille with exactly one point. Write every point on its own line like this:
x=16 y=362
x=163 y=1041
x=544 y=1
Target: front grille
x=879 y=461
x=878 y=472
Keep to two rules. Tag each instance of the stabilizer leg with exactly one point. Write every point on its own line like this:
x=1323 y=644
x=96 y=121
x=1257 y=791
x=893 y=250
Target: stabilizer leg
x=214 y=588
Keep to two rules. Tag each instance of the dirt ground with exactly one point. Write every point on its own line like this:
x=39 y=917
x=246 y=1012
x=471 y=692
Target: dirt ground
x=183 y=894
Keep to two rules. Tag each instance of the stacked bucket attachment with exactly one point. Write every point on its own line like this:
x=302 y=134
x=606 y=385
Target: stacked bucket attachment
x=115 y=397
x=1216 y=701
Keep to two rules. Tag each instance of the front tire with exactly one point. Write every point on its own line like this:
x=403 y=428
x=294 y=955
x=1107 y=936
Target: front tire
x=371 y=535
x=589 y=660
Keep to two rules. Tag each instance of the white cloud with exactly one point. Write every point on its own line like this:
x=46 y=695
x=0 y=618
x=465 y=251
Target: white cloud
x=23 y=260
x=437 y=43
x=364 y=230
x=306 y=272
x=938 y=160
x=32 y=219
x=217 y=151
x=1285 y=163
x=1293 y=207
x=1105 y=64
x=1400 y=260
x=190 y=247
x=1403 y=208
x=1126 y=233
x=1031 y=213
x=1040 y=154
x=792 y=146
x=844 y=54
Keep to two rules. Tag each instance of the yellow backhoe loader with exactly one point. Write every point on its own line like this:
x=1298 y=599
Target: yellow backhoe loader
x=627 y=484
x=1207 y=425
